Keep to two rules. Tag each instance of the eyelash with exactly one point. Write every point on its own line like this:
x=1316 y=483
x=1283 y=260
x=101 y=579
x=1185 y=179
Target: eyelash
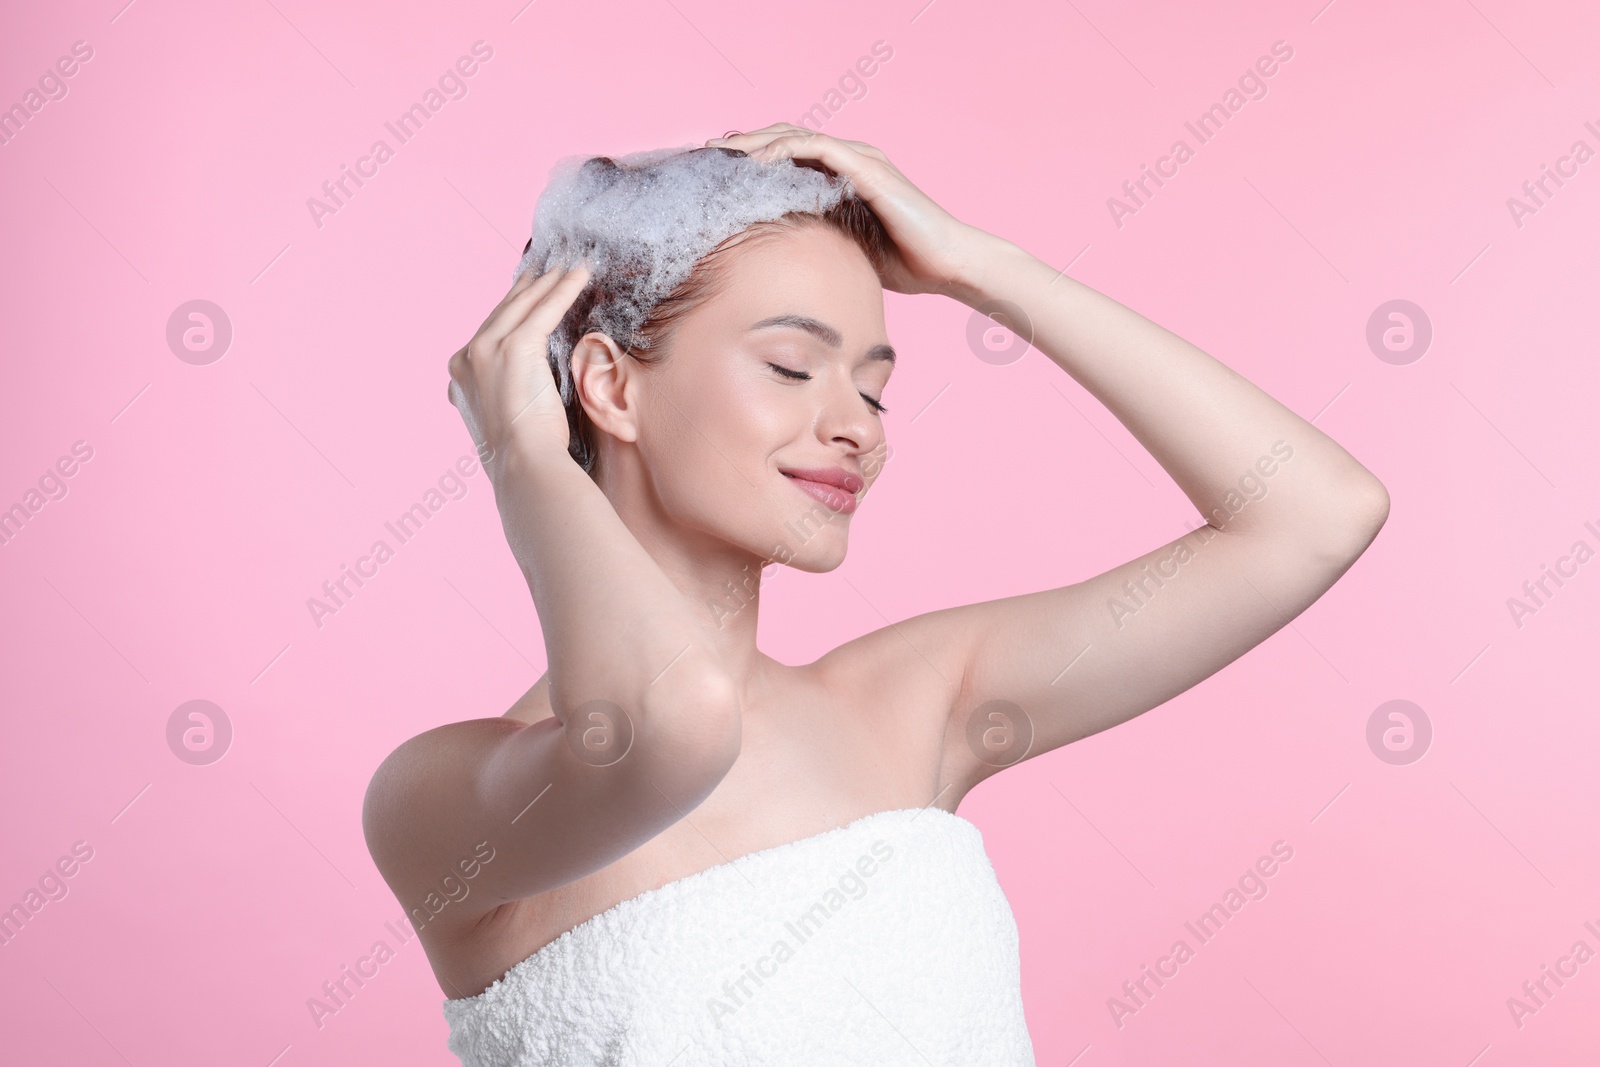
x=803 y=376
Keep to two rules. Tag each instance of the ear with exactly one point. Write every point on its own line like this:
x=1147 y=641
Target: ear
x=601 y=376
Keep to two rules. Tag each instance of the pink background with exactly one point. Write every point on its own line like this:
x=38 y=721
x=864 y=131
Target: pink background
x=219 y=497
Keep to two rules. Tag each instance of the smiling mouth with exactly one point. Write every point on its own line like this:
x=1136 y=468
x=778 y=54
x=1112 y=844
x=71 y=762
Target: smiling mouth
x=831 y=495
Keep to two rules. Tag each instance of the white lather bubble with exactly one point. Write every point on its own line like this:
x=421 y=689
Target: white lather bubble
x=643 y=220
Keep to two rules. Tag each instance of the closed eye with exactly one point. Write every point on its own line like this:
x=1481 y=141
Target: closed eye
x=803 y=376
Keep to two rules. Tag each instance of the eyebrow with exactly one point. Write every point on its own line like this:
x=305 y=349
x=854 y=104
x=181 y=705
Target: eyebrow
x=822 y=332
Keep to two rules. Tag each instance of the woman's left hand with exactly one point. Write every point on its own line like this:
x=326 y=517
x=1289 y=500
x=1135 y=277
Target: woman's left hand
x=933 y=251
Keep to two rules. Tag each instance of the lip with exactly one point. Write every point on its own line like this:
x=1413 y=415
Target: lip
x=849 y=482
x=833 y=486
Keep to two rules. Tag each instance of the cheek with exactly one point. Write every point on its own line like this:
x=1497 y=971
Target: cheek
x=711 y=443
x=731 y=422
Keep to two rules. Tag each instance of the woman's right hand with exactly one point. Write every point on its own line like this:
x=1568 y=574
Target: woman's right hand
x=501 y=381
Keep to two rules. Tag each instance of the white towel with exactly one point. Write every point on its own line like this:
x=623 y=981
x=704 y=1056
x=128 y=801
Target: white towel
x=887 y=941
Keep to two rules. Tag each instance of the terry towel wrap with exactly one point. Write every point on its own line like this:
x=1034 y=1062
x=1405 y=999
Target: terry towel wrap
x=886 y=941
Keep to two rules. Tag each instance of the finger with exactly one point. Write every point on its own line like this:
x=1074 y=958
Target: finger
x=551 y=306
x=513 y=310
x=529 y=277
x=774 y=129
x=868 y=150
x=829 y=151
x=525 y=279
x=753 y=139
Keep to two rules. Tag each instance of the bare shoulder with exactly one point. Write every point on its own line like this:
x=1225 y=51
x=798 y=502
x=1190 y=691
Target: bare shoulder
x=407 y=786
x=518 y=801
x=413 y=788
x=397 y=775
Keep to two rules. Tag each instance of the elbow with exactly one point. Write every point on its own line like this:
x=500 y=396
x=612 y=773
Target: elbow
x=692 y=727
x=1361 y=514
x=1370 y=508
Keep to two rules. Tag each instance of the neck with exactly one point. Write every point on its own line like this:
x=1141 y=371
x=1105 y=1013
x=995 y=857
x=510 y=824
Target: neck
x=721 y=582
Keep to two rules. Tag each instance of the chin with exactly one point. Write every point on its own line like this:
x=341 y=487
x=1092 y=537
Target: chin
x=805 y=546
x=817 y=562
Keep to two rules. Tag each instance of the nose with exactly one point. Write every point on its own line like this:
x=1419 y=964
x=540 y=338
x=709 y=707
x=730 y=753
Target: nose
x=846 y=416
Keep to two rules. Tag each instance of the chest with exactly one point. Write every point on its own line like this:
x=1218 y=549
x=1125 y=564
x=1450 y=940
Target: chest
x=810 y=760
x=819 y=750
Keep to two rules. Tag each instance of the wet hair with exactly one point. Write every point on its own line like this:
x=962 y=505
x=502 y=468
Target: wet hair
x=656 y=229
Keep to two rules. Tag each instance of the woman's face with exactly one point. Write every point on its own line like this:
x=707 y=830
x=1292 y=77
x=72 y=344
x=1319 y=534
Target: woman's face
x=719 y=422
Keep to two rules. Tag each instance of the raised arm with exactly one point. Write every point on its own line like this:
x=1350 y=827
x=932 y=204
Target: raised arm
x=1287 y=510
x=646 y=722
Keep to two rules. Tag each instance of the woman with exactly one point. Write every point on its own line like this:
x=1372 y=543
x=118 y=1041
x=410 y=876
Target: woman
x=675 y=849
